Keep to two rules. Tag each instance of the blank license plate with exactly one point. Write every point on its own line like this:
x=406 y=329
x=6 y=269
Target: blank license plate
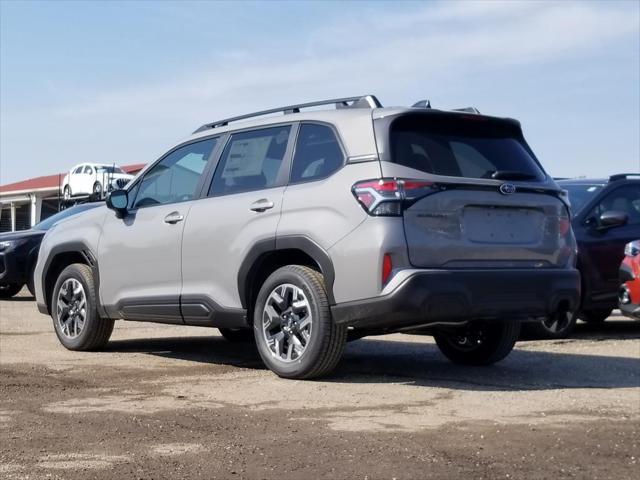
x=502 y=225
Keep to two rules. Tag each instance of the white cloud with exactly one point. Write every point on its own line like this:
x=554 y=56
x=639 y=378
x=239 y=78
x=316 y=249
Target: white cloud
x=434 y=41
x=394 y=54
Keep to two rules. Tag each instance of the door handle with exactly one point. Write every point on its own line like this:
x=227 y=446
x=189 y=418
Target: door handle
x=261 y=205
x=173 y=218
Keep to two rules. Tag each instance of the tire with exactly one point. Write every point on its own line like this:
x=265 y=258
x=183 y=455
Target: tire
x=97 y=190
x=8 y=290
x=595 y=316
x=304 y=342
x=66 y=193
x=74 y=285
x=237 y=335
x=479 y=343
x=559 y=325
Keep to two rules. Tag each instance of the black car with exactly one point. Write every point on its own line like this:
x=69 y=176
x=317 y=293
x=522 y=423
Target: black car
x=605 y=217
x=19 y=251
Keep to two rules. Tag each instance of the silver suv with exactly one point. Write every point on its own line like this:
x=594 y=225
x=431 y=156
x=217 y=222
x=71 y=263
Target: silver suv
x=307 y=228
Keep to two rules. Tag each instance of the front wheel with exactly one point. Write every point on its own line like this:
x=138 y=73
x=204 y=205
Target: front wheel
x=478 y=343
x=74 y=310
x=294 y=331
x=8 y=290
x=66 y=193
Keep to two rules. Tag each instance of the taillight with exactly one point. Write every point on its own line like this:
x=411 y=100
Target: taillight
x=387 y=196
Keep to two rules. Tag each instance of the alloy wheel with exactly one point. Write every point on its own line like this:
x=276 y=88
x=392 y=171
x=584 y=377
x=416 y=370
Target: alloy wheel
x=558 y=321
x=71 y=308
x=287 y=322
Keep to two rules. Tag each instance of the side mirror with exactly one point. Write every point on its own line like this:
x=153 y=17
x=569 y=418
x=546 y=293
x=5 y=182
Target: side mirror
x=118 y=200
x=612 y=218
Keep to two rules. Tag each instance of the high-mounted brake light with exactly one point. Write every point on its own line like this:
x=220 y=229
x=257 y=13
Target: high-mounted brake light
x=386 y=196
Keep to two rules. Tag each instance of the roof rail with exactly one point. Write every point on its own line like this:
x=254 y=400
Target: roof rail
x=622 y=176
x=363 y=101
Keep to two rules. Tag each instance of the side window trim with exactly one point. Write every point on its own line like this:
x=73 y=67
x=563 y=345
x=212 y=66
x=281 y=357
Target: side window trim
x=283 y=173
x=293 y=153
x=133 y=186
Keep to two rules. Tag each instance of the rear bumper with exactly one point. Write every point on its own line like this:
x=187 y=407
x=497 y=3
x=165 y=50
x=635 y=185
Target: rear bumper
x=433 y=296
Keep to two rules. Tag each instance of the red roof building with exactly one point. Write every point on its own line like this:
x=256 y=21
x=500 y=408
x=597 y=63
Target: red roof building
x=25 y=203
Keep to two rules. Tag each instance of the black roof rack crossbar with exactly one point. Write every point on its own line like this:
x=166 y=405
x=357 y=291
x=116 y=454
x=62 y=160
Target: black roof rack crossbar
x=622 y=176
x=364 y=101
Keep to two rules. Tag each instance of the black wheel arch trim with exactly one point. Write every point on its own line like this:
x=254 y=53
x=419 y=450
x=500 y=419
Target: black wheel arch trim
x=261 y=249
x=85 y=251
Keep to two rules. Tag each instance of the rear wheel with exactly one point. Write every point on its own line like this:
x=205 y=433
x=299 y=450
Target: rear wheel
x=8 y=290
x=294 y=331
x=97 y=189
x=595 y=316
x=74 y=310
x=478 y=343
x=237 y=335
x=558 y=325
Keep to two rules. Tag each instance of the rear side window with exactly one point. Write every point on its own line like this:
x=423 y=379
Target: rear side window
x=78 y=170
x=250 y=161
x=318 y=153
x=462 y=147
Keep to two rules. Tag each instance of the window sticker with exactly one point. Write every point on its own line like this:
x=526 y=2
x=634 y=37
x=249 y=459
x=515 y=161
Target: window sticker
x=246 y=157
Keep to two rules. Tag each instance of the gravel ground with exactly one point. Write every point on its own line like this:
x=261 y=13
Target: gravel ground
x=181 y=402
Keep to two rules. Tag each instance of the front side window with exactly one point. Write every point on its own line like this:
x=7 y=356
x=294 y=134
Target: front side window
x=251 y=161
x=88 y=170
x=176 y=176
x=78 y=170
x=624 y=199
x=318 y=153
x=462 y=147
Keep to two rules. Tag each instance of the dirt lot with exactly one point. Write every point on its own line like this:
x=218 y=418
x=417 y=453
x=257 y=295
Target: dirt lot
x=181 y=402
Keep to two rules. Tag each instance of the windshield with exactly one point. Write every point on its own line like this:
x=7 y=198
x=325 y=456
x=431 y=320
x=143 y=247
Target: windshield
x=580 y=194
x=460 y=146
x=103 y=169
x=53 y=219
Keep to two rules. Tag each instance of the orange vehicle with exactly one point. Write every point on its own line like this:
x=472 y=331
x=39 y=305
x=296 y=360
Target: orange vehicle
x=630 y=276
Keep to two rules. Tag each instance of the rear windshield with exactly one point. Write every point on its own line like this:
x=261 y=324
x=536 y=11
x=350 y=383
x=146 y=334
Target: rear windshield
x=461 y=146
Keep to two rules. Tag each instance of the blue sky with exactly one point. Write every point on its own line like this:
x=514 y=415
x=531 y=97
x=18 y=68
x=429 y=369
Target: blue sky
x=123 y=81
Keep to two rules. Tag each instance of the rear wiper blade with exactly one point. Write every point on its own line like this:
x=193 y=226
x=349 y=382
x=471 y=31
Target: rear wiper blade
x=512 y=175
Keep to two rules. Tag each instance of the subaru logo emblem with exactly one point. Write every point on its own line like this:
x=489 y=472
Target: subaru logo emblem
x=507 y=189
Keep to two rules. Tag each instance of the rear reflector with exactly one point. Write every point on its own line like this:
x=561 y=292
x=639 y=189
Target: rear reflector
x=387 y=267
